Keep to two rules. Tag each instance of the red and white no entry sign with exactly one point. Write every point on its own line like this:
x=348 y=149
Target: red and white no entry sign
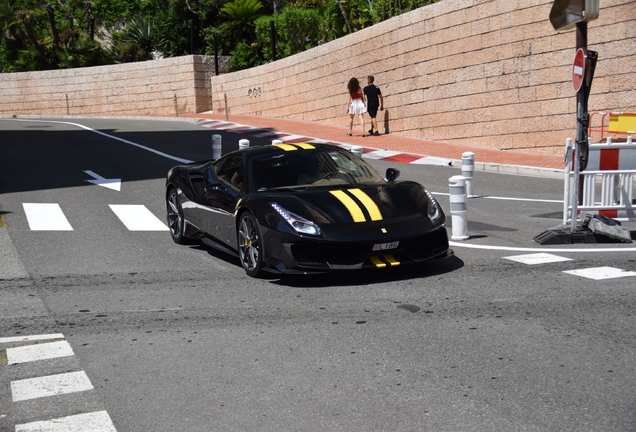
x=578 y=70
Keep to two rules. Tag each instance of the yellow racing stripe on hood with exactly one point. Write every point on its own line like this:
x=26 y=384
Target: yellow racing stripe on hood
x=350 y=204
x=368 y=203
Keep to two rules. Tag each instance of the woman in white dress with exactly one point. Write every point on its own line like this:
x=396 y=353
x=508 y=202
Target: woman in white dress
x=356 y=104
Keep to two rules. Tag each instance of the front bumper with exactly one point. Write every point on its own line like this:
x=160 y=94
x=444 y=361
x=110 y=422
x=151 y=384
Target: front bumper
x=301 y=255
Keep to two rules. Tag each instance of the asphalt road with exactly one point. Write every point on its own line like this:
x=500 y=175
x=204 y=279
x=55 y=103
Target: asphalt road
x=174 y=337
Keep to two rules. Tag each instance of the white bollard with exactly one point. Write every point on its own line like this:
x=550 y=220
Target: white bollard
x=457 y=185
x=244 y=143
x=356 y=150
x=277 y=141
x=216 y=146
x=468 y=169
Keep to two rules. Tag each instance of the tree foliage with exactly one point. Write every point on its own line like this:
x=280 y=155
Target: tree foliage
x=52 y=34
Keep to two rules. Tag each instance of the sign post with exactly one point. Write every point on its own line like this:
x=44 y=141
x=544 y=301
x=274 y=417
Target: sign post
x=566 y=14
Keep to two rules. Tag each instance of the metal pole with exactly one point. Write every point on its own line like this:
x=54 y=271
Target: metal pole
x=191 y=36
x=216 y=58
x=577 y=178
x=176 y=108
x=272 y=36
x=226 y=113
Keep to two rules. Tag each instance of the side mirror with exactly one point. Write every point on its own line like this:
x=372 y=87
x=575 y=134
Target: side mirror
x=392 y=174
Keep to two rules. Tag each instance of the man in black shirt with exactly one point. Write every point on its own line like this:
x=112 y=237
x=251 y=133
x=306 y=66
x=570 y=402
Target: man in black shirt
x=373 y=97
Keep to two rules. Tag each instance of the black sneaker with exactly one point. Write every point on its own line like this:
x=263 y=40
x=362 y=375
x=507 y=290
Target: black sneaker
x=370 y=131
x=376 y=133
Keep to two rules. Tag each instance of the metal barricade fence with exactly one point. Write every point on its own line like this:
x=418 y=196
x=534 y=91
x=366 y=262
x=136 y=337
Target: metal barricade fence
x=612 y=167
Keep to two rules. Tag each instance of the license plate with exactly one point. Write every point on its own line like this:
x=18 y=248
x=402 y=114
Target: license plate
x=385 y=246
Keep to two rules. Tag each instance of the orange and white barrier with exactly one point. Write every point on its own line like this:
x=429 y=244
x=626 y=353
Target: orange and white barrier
x=610 y=166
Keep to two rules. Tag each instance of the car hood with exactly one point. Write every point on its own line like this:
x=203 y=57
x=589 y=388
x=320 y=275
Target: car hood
x=357 y=204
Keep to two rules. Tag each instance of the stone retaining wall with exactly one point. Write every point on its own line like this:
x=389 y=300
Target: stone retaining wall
x=491 y=73
x=157 y=87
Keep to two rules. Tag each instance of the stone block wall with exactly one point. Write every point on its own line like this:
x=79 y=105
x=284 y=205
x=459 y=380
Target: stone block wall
x=491 y=73
x=141 y=88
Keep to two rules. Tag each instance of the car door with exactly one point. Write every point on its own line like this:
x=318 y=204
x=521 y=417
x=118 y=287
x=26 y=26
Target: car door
x=220 y=197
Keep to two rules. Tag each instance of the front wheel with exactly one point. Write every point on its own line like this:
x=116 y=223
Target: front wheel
x=250 y=245
x=175 y=217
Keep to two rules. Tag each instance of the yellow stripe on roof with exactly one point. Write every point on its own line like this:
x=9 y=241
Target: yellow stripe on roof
x=350 y=204
x=286 y=147
x=306 y=146
x=368 y=203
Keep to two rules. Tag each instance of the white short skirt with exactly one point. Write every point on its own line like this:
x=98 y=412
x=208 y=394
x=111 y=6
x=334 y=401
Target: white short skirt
x=357 y=107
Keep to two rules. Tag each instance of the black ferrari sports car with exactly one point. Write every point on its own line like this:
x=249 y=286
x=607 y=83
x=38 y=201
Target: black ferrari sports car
x=304 y=208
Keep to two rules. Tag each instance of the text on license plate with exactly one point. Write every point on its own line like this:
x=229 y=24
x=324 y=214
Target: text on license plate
x=385 y=246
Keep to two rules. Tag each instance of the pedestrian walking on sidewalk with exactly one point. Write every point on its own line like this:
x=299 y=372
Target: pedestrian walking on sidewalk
x=356 y=104
x=374 y=99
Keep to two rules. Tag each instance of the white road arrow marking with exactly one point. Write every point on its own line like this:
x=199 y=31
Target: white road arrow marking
x=114 y=184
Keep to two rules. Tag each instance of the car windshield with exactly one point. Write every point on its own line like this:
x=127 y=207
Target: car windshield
x=303 y=168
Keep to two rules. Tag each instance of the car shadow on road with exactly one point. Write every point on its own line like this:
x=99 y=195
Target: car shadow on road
x=426 y=269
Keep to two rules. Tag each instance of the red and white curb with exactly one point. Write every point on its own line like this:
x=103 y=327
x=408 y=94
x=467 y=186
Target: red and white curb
x=367 y=153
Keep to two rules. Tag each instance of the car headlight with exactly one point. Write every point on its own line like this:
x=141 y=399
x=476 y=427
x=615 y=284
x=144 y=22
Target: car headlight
x=434 y=211
x=299 y=224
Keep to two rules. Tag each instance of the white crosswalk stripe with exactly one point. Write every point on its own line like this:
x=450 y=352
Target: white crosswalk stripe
x=138 y=218
x=44 y=351
x=601 y=273
x=49 y=386
x=52 y=385
x=596 y=273
x=538 y=258
x=46 y=217
x=90 y=422
x=50 y=217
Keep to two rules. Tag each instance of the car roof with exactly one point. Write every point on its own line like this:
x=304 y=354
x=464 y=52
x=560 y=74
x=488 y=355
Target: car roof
x=287 y=147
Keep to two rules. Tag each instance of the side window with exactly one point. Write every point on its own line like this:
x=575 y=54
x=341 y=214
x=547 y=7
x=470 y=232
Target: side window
x=230 y=171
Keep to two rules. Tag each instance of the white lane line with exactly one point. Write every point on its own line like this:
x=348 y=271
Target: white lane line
x=521 y=249
x=36 y=352
x=98 y=421
x=601 y=273
x=52 y=385
x=46 y=217
x=538 y=258
x=138 y=218
x=31 y=338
